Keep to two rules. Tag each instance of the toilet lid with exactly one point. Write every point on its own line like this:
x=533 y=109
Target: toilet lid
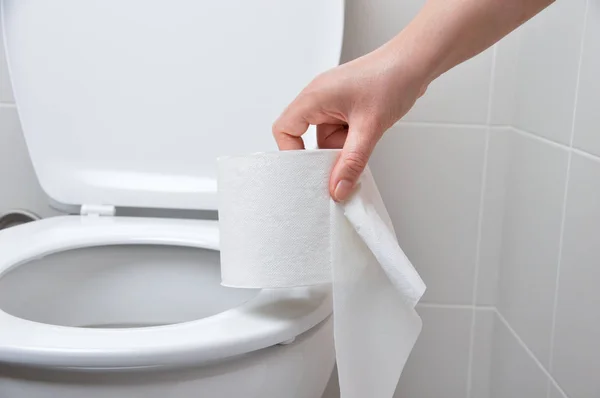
x=130 y=102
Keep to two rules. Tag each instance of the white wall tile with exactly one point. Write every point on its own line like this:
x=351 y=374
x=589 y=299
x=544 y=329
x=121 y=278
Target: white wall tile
x=438 y=365
x=515 y=374
x=482 y=353
x=459 y=96
x=430 y=179
x=530 y=242
x=505 y=80
x=18 y=184
x=547 y=69
x=493 y=216
x=587 y=122
x=5 y=87
x=576 y=363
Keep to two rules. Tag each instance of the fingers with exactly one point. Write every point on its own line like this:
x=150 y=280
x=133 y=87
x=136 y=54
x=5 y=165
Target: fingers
x=294 y=121
x=331 y=136
x=305 y=110
x=355 y=155
x=290 y=126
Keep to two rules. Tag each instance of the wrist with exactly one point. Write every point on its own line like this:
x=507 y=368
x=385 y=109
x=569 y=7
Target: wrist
x=422 y=55
x=410 y=62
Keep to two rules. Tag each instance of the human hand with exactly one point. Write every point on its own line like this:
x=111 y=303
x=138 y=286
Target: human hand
x=352 y=106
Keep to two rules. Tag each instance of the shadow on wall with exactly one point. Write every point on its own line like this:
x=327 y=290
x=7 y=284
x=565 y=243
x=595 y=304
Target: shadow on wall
x=19 y=187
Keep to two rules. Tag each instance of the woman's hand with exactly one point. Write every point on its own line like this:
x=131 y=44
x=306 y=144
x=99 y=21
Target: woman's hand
x=352 y=106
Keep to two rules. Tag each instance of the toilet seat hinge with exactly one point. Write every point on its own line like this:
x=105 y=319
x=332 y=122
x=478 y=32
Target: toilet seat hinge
x=97 y=210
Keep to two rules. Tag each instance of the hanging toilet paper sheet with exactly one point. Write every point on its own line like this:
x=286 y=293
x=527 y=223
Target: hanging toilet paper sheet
x=280 y=228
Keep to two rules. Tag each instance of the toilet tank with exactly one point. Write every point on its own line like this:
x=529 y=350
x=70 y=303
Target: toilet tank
x=129 y=102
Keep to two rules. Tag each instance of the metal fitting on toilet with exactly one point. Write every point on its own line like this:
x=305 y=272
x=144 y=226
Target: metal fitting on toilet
x=12 y=218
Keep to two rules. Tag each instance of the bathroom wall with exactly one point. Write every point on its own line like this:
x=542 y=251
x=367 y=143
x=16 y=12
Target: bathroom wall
x=430 y=169
x=545 y=335
x=492 y=181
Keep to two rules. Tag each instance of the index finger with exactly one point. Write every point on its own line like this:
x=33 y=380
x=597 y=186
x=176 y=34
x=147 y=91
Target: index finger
x=292 y=124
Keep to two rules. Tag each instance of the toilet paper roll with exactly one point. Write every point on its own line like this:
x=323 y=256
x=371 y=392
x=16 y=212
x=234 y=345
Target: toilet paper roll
x=280 y=228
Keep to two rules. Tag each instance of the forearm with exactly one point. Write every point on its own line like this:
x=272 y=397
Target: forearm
x=446 y=33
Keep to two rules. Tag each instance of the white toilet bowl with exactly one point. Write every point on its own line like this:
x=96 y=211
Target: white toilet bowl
x=133 y=307
x=127 y=104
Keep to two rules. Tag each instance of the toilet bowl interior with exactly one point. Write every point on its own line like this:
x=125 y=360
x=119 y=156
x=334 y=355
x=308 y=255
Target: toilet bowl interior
x=119 y=286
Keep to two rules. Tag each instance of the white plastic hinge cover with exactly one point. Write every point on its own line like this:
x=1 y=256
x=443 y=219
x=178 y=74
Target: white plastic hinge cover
x=97 y=210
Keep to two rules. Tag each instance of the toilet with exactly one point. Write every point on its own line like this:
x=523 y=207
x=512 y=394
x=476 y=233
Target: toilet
x=125 y=106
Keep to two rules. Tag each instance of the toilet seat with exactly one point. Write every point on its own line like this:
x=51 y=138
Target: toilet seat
x=270 y=318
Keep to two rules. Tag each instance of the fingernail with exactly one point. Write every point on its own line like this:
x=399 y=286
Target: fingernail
x=343 y=189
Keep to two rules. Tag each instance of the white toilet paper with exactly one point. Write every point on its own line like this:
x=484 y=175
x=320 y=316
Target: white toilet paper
x=280 y=228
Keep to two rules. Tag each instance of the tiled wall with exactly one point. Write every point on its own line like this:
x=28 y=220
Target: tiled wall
x=493 y=183
x=545 y=339
x=430 y=170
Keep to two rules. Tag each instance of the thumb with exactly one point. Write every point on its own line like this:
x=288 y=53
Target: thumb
x=355 y=155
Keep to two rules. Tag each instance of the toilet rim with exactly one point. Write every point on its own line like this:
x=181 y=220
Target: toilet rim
x=259 y=323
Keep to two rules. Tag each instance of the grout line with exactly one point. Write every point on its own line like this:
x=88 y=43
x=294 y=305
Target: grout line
x=579 y=67
x=443 y=124
x=541 y=139
x=477 y=261
x=530 y=353
x=480 y=216
x=484 y=308
x=558 y=267
x=555 y=144
x=515 y=129
x=492 y=86
x=456 y=306
x=7 y=105
x=585 y=154
x=566 y=196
